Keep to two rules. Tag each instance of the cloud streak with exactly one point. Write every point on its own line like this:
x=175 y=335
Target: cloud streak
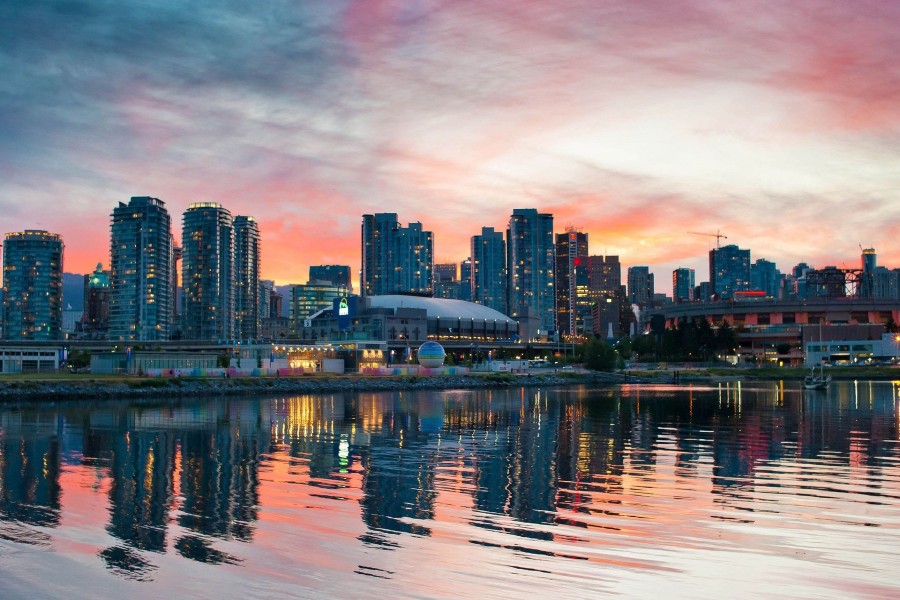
x=636 y=122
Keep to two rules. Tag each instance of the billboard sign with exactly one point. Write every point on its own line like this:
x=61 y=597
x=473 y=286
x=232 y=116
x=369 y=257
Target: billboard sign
x=345 y=309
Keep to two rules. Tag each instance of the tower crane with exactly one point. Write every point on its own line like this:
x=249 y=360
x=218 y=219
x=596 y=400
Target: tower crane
x=718 y=235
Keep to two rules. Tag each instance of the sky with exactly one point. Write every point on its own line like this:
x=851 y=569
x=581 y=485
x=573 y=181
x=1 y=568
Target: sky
x=776 y=123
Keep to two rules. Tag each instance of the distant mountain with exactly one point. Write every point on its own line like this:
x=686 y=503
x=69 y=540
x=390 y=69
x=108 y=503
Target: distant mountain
x=73 y=291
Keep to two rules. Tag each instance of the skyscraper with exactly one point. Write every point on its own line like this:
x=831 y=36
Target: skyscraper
x=246 y=278
x=32 y=285
x=487 y=282
x=641 y=286
x=465 y=279
x=683 y=285
x=208 y=272
x=869 y=262
x=610 y=306
x=729 y=270
x=142 y=293
x=395 y=260
x=571 y=281
x=765 y=277
x=530 y=265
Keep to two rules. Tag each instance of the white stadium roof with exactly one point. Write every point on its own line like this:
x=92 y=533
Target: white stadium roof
x=441 y=307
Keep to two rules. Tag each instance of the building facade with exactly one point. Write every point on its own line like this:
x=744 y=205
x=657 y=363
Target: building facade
x=572 y=300
x=729 y=271
x=487 y=283
x=395 y=259
x=683 y=285
x=530 y=267
x=142 y=295
x=208 y=272
x=97 y=291
x=308 y=299
x=337 y=275
x=641 y=286
x=765 y=277
x=246 y=278
x=32 y=286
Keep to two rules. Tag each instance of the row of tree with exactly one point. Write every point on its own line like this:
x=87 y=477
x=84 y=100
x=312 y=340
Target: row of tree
x=690 y=341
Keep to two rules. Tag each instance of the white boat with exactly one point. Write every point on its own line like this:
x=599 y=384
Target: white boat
x=817 y=382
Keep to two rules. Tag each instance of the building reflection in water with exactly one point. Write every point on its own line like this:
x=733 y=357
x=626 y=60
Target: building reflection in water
x=29 y=475
x=186 y=476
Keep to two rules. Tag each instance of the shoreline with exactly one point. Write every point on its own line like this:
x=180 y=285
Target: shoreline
x=85 y=387
x=51 y=391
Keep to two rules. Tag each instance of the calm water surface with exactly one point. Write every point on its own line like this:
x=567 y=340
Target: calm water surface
x=731 y=491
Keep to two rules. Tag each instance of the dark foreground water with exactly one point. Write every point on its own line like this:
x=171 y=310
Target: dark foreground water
x=656 y=492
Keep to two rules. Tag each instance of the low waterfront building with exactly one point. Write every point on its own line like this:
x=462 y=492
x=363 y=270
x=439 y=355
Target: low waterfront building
x=31 y=358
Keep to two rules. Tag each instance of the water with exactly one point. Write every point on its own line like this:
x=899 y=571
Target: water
x=694 y=492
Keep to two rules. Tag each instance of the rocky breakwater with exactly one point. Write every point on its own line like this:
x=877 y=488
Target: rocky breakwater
x=39 y=390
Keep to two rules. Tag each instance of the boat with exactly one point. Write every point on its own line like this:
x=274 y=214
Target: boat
x=817 y=382
x=820 y=381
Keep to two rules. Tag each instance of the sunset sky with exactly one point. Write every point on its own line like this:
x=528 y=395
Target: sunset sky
x=776 y=122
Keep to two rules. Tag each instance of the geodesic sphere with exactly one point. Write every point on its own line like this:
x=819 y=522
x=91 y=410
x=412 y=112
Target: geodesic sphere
x=431 y=355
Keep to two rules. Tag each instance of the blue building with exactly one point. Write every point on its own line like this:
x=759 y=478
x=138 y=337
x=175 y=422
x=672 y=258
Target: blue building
x=208 y=272
x=729 y=271
x=32 y=285
x=395 y=259
x=487 y=282
x=142 y=275
x=683 y=283
x=246 y=278
x=530 y=260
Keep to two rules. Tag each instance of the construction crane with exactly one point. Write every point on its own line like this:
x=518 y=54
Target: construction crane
x=718 y=235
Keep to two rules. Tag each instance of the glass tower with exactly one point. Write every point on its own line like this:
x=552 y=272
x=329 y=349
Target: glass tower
x=530 y=266
x=395 y=260
x=246 y=271
x=207 y=274
x=571 y=281
x=32 y=286
x=729 y=271
x=683 y=283
x=487 y=281
x=142 y=294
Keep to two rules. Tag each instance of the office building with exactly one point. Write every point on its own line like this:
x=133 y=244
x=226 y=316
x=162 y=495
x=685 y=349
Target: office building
x=246 y=278
x=395 y=259
x=530 y=268
x=32 y=285
x=869 y=262
x=142 y=295
x=97 y=292
x=337 y=275
x=571 y=281
x=683 y=285
x=208 y=272
x=487 y=264
x=446 y=284
x=641 y=286
x=729 y=271
x=765 y=277
x=465 y=281
x=308 y=299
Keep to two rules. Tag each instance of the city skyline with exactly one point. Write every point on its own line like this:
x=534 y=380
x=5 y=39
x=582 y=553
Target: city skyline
x=773 y=123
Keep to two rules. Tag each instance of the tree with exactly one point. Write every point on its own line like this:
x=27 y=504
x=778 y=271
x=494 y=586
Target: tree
x=726 y=339
x=599 y=356
x=80 y=359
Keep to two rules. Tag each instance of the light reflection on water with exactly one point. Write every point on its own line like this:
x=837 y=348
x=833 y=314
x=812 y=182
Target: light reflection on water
x=688 y=491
